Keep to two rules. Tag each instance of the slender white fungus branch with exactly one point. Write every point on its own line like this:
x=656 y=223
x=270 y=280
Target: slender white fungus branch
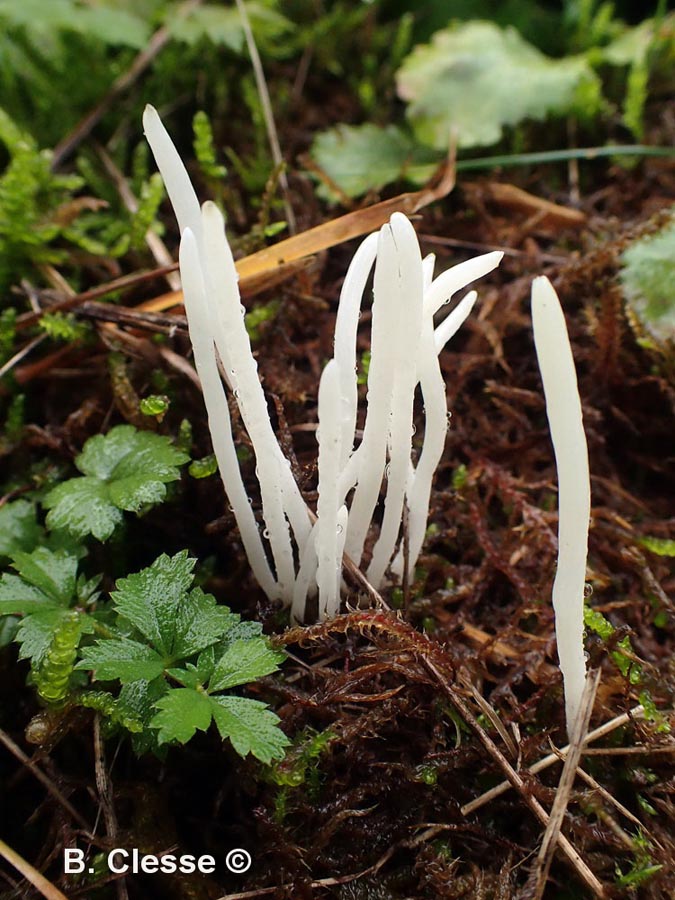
x=218 y=411
x=346 y=325
x=563 y=408
x=404 y=353
x=400 y=258
x=454 y=321
x=328 y=505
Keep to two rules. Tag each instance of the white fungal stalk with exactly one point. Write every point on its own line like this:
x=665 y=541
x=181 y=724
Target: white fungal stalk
x=293 y=558
x=563 y=408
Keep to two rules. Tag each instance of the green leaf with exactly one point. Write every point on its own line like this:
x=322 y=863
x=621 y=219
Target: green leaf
x=200 y=622
x=476 y=78
x=110 y=25
x=53 y=573
x=182 y=712
x=250 y=726
x=19 y=529
x=360 y=158
x=150 y=599
x=244 y=661
x=137 y=700
x=125 y=469
x=121 y=659
x=222 y=25
x=82 y=506
x=647 y=276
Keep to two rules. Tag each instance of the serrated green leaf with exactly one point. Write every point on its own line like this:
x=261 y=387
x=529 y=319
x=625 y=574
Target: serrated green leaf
x=200 y=622
x=244 y=661
x=150 y=599
x=182 y=712
x=125 y=469
x=17 y=597
x=475 y=78
x=124 y=451
x=250 y=726
x=82 y=506
x=53 y=573
x=359 y=158
x=19 y=529
x=121 y=659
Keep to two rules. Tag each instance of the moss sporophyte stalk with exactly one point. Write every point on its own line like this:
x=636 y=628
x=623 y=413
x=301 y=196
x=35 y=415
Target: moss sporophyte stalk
x=306 y=551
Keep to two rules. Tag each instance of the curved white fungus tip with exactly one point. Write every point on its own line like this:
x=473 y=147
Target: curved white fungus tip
x=563 y=408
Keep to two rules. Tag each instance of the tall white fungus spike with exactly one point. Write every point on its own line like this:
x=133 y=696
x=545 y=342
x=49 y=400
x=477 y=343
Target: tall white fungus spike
x=563 y=408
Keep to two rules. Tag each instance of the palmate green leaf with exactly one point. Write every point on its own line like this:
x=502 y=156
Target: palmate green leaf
x=182 y=712
x=475 y=78
x=125 y=469
x=359 y=158
x=244 y=661
x=250 y=726
x=121 y=659
x=113 y=26
x=36 y=631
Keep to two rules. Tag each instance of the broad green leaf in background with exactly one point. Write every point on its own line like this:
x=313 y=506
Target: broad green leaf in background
x=125 y=469
x=102 y=21
x=648 y=276
x=473 y=79
x=222 y=24
x=359 y=158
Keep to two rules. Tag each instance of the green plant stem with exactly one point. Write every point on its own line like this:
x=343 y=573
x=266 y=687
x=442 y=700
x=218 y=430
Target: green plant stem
x=554 y=156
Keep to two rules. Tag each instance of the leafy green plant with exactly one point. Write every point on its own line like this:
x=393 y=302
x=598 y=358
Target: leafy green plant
x=29 y=197
x=622 y=656
x=170 y=633
x=124 y=470
x=176 y=653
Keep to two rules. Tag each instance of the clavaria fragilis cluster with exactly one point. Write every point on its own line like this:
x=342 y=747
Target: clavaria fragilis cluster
x=299 y=555
x=306 y=556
